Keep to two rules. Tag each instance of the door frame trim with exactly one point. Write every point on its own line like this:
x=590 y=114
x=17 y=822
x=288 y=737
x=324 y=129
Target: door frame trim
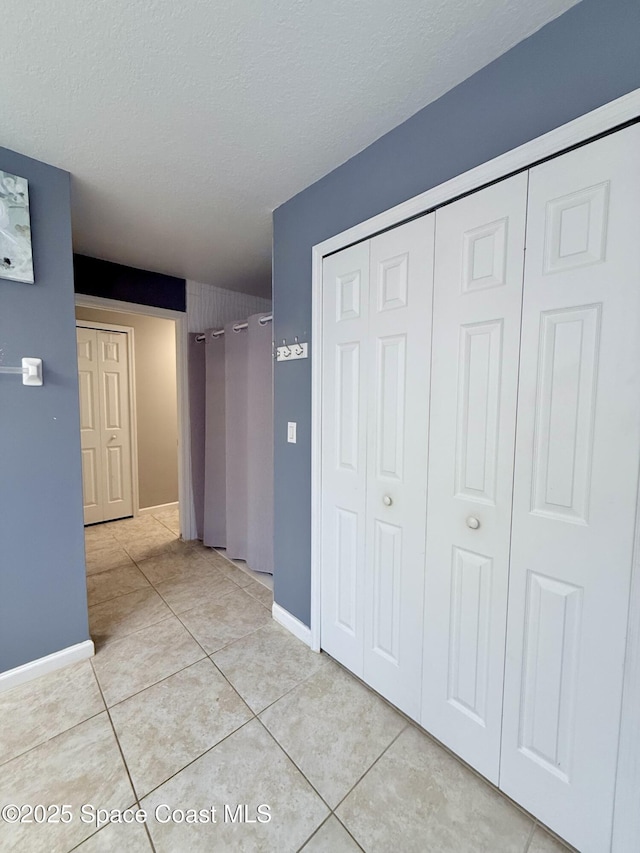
x=604 y=119
x=133 y=413
x=185 y=483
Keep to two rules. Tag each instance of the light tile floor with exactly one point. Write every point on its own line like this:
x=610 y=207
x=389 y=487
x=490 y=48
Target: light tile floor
x=197 y=698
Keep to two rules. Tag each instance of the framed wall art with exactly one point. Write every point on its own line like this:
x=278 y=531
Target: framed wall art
x=16 y=257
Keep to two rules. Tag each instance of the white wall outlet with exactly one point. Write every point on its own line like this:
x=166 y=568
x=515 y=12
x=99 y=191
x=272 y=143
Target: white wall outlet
x=291 y=432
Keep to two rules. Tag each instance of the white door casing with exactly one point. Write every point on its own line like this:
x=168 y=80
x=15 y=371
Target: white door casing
x=398 y=367
x=343 y=502
x=576 y=476
x=105 y=424
x=476 y=337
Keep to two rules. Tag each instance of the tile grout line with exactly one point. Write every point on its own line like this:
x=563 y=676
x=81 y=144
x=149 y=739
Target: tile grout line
x=293 y=764
x=324 y=823
x=246 y=573
x=527 y=844
x=222 y=595
x=287 y=692
x=237 y=640
x=349 y=833
x=122 y=756
x=164 y=678
x=155 y=683
x=164 y=525
x=357 y=782
x=314 y=833
x=277 y=742
x=115 y=734
x=189 y=609
x=120 y=594
x=113 y=640
x=202 y=754
x=53 y=737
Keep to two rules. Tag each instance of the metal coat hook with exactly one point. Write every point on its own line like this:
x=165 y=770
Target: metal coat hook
x=291 y=352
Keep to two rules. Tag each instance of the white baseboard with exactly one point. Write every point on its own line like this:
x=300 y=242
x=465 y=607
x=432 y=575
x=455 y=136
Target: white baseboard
x=42 y=666
x=149 y=510
x=291 y=623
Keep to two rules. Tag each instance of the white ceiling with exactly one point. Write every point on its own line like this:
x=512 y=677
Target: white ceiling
x=186 y=123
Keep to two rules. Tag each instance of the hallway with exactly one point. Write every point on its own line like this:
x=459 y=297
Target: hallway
x=196 y=699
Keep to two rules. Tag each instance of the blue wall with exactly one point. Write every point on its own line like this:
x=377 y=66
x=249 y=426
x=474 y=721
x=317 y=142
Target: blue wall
x=585 y=58
x=43 y=606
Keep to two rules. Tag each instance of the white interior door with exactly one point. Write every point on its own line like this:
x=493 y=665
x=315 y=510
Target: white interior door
x=398 y=356
x=345 y=321
x=576 y=477
x=90 y=425
x=105 y=417
x=476 y=337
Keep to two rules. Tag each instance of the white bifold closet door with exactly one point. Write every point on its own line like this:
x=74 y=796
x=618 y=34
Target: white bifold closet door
x=376 y=332
x=476 y=339
x=576 y=479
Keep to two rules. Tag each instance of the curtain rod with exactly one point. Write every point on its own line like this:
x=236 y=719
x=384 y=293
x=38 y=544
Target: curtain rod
x=267 y=318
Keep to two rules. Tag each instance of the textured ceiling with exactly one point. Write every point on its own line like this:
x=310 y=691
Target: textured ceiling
x=186 y=123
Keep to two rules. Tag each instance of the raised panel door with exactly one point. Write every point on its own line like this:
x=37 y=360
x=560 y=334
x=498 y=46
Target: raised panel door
x=476 y=334
x=345 y=317
x=397 y=364
x=116 y=427
x=90 y=426
x=576 y=478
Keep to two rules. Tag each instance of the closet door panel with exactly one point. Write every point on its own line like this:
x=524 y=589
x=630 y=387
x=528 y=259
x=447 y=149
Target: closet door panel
x=476 y=334
x=344 y=400
x=397 y=363
x=576 y=477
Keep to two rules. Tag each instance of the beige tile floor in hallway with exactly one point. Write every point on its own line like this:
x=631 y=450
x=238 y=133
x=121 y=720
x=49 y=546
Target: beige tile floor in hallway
x=197 y=698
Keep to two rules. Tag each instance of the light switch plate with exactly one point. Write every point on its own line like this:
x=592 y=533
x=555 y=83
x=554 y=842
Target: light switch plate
x=291 y=432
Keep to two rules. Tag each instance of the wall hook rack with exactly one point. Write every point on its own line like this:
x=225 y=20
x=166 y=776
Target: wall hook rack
x=31 y=371
x=291 y=352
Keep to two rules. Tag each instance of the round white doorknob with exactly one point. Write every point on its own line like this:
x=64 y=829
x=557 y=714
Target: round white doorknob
x=473 y=522
x=386 y=500
x=113 y=436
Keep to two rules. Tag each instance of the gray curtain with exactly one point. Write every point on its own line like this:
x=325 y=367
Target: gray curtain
x=215 y=498
x=196 y=360
x=236 y=362
x=238 y=448
x=259 y=446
